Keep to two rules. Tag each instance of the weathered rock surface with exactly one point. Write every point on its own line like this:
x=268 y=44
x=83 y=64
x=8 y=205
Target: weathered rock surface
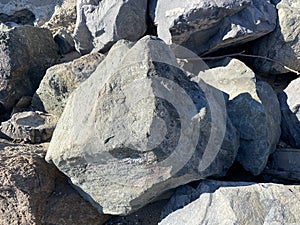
x=64 y=16
x=284 y=164
x=27 y=11
x=26 y=52
x=34 y=127
x=239 y=203
x=34 y=192
x=139 y=126
x=115 y=20
x=253 y=109
x=282 y=45
x=206 y=26
x=290 y=110
x=61 y=80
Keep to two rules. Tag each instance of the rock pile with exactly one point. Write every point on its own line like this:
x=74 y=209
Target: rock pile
x=149 y=112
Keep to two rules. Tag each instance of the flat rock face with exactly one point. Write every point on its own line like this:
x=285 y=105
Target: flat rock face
x=26 y=52
x=282 y=45
x=37 y=11
x=34 y=192
x=206 y=26
x=115 y=20
x=61 y=80
x=138 y=127
x=34 y=127
x=290 y=111
x=253 y=109
x=239 y=203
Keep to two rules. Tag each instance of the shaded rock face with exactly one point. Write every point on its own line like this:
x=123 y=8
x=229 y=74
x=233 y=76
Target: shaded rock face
x=30 y=126
x=284 y=164
x=61 y=80
x=206 y=26
x=290 y=111
x=34 y=192
x=253 y=109
x=239 y=203
x=27 y=11
x=139 y=126
x=26 y=52
x=115 y=20
x=283 y=44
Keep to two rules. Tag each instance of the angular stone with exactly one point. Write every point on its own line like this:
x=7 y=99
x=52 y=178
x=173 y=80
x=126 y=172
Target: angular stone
x=35 y=192
x=61 y=80
x=284 y=164
x=115 y=20
x=282 y=45
x=239 y=203
x=139 y=126
x=26 y=52
x=253 y=109
x=290 y=111
x=65 y=41
x=34 y=127
x=30 y=11
x=206 y=26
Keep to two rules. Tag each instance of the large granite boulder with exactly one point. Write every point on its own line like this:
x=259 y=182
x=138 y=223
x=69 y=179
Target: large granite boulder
x=27 y=11
x=290 y=111
x=33 y=127
x=238 y=203
x=282 y=45
x=138 y=127
x=102 y=23
x=253 y=109
x=206 y=26
x=61 y=80
x=26 y=52
x=34 y=192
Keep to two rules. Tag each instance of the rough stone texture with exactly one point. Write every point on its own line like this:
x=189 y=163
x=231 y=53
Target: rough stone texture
x=284 y=164
x=290 y=110
x=65 y=41
x=239 y=203
x=132 y=128
x=34 y=192
x=64 y=16
x=115 y=20
x=206 y=26
x=282 y=45
x=253 y=109
x=39 y=11
x=61 y=80
x=26 y=52
x=34 y=127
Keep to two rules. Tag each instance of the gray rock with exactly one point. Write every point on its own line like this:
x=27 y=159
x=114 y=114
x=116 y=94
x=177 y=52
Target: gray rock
x=35 y=192
x=138 y=127
x=206 y=26
x=282 y=45
x=240 y=203
x=115 y=20
x=29 y=11
x=65 y=41
x=290 y=111
x=61 y=80
x=34 y=127
x=253 y=109
x=26 y=52
x=284 y=164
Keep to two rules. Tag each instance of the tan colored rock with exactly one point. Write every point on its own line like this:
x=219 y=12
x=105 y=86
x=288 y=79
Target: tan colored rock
x=34 y=192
